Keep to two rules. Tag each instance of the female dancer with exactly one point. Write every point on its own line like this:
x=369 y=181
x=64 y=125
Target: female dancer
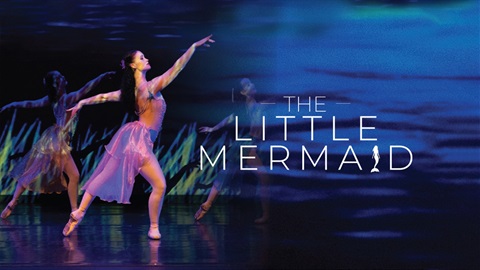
x=254 y=114
x=42 y=168
x=130 y=150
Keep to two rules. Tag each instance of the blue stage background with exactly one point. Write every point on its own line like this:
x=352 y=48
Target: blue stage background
x=414 y=65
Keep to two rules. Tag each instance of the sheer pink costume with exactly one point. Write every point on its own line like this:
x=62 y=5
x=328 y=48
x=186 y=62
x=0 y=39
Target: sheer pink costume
x=130 y=148
x=41 y=170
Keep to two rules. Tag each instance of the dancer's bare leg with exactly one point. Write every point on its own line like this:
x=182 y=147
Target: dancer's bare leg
x=212 y=195
x=264 y=181
x=19 y=189
x=152 y=172
x=87 y=199
x=77 y=215
x=73 y=176
x=264 y=197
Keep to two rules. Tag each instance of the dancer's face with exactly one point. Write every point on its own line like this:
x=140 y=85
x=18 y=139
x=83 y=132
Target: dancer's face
x=59 y=82
x=140 y=62
x=248 y=90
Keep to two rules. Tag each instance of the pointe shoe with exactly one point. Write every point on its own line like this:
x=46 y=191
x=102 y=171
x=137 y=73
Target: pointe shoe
x=8 y=210
x=154 y=233
x=201 y=212
x=71 y=224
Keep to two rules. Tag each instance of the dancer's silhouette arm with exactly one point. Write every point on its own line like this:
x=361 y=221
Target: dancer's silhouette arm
x=70 y=98
x=37 y=103
x=227 y=120
x=75 y=96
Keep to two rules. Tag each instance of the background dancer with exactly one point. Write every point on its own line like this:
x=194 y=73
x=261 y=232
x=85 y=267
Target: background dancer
x=254 y=113
x=42 y=169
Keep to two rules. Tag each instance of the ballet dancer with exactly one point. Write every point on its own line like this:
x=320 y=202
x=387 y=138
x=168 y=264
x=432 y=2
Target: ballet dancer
x=42 y=169
x=225 y=176
x=130 y=150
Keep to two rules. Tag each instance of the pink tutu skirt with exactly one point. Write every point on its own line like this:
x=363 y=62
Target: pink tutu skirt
x=41 y=170
x=129 y=149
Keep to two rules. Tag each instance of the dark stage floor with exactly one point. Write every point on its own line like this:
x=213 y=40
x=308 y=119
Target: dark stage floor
x=311 y=235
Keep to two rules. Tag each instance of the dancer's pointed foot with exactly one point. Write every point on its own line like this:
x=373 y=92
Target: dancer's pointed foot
x=154 y=233
x=75 y=218
x=201 y=211
x=8 y=210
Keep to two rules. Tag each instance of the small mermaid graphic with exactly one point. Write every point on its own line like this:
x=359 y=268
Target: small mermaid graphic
x=376 y=156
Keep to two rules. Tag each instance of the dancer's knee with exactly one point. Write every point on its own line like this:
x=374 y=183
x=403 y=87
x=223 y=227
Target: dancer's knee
x=159 y=186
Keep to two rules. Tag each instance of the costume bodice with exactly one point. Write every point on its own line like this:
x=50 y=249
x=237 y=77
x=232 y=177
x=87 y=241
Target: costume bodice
x=151 y=107
x=254 y=112
x=59 y=111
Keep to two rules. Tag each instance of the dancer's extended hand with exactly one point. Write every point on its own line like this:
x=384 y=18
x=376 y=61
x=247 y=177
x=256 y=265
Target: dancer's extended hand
x=73 y=110
x=204 y=42
x=205 y=129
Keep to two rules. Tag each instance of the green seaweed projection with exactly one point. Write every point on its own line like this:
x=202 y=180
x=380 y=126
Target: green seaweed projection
x=180 y=162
